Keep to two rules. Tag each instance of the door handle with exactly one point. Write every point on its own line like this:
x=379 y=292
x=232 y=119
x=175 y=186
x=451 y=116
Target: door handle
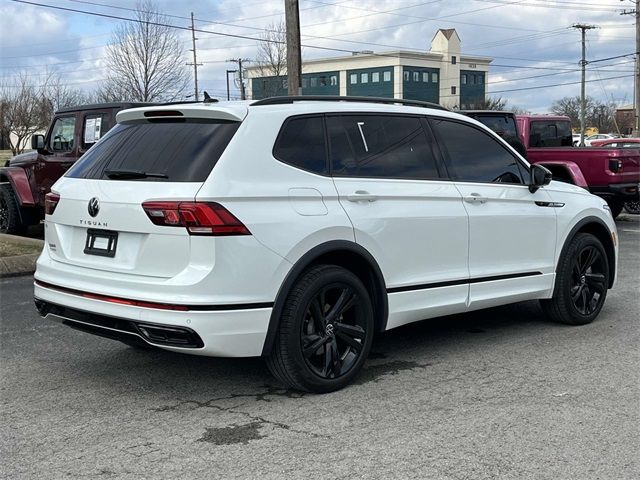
x=361 y=196
x=475 y=198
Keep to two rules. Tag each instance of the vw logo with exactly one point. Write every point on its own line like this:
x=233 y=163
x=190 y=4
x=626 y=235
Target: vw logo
x=94 y=207
x=329 y=330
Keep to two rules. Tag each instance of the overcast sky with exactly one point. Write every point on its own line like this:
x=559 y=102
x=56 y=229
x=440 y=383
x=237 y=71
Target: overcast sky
x=530 y=40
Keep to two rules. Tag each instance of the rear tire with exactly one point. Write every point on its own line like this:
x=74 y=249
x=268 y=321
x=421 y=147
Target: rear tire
x=582 y=280
x=325 y=332
x=10 y=219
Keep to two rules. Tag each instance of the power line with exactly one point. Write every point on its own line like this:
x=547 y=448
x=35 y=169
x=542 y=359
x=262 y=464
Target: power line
x=559 y=84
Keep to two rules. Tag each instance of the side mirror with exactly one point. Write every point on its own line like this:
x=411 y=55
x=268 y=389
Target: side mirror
x=37 y=142
x=540 y=176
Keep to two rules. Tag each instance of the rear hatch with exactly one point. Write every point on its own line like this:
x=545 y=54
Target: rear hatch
x=153 y=155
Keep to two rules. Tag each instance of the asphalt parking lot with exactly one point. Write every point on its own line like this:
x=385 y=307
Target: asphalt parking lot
x=501 y=393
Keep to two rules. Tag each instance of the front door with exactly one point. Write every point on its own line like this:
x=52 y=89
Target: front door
x=62 y=151
x=512 y=232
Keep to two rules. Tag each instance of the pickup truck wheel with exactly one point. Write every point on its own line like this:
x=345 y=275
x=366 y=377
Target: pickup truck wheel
x=582 y=280
x=10 y=220
x=325 y=333
x=616 y=206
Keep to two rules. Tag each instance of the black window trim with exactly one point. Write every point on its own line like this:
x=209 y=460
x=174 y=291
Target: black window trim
x=440 y=167
x=446 y=159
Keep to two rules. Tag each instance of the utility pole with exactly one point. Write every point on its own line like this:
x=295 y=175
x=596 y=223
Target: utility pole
x=583 y=64
x=636 y=89
x=243 y=95
x=228 y=72
x=294 y=55
x=195 y=60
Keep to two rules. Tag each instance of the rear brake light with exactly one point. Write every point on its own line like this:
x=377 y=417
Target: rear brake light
x=615 y=166
x=50 y=203
x=199 y=218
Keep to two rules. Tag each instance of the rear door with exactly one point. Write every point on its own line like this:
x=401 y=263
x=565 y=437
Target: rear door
x=99 y=221
x=404 y=213
x=512 y=232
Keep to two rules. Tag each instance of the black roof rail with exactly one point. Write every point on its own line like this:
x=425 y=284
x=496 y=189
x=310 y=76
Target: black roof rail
x=337 y=98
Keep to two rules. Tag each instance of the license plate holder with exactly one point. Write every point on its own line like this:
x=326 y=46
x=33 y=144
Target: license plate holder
x=101 y=242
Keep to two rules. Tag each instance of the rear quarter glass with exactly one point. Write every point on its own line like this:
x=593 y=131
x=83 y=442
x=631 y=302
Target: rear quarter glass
x=181 y=151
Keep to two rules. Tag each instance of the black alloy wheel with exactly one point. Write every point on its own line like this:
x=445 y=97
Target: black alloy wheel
x=589 y=280
x=325 y=331
x=333 y=331
x=582 y=282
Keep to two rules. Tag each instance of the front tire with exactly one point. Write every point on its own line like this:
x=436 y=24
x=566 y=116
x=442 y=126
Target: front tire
x=325 y=332
x=582 y=280
x=10 y=220
x=615 y=205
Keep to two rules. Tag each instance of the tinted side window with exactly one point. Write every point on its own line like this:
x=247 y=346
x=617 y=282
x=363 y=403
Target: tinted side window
x=550 y=134
x=301 y=144
x=380 y=146
x=182 y=151
x=475 y=156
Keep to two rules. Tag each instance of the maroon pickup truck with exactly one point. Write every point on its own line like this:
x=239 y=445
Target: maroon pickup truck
x=612 y=173
x=27 y=178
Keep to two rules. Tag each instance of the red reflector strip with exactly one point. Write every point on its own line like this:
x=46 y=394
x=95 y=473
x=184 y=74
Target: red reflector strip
x=118 y=300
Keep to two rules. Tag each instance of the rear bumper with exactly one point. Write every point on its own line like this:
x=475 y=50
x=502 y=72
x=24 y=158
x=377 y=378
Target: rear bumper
x=239 y=332
x=625 y=191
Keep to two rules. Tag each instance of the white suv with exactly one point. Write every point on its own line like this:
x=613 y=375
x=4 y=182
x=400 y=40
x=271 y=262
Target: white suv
x=295 y=228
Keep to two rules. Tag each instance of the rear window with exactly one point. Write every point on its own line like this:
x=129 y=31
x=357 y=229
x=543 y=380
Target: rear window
x=174 y=151
x=503 y=125
x=550 y=133
x=301 y=144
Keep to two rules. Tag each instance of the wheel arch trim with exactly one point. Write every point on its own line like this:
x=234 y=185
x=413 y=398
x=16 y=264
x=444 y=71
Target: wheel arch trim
x=19 y=184
x=607 y=244
x=381 y=305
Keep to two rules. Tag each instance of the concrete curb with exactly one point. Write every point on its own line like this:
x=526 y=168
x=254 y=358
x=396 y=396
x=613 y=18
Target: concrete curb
x=19 y=264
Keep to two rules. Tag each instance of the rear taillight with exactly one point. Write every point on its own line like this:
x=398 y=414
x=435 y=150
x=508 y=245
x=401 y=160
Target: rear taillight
x=50 y=203
x=199 y=218
x=615 y=166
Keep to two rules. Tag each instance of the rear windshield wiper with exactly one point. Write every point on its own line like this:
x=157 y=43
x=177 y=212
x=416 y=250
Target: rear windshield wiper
x=131 y=174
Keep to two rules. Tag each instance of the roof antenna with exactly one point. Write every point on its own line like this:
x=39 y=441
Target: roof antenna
x=208 y=99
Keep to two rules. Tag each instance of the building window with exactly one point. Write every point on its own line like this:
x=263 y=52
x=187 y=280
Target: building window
x=375 y=77
x=480 y=80
x=334 y=80
x=406 y=76
x=453 y=90
x=313 y=82
x=386 y=76
x=284 y=83
x=353 y=78
x=364 y=78
x=305 y=82
x=434 y=77
x=453 y=60
x=472 y=79
x=323 y=81
x=416 y=76
x=463 y=79
x=425 y=77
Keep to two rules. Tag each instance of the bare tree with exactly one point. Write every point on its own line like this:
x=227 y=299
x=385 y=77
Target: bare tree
x=271 y=60
x=146 y=60
x=487 y=103
x=598 y=114
x=23 y=109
